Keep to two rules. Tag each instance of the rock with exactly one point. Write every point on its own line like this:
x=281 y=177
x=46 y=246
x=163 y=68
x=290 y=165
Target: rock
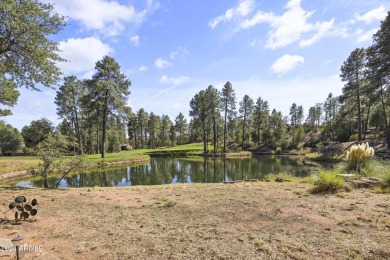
x=346 y=176
x=361 y=183
x=279 y=179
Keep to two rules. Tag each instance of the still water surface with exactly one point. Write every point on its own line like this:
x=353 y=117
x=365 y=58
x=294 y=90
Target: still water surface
x=182 y=170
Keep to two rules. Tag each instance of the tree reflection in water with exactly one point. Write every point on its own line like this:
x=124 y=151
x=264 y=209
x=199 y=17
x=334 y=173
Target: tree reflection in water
x=183 y=170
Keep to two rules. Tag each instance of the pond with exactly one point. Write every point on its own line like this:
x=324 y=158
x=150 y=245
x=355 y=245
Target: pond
x=182 y=170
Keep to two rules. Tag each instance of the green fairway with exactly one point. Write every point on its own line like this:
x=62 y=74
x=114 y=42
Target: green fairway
x=21 y=163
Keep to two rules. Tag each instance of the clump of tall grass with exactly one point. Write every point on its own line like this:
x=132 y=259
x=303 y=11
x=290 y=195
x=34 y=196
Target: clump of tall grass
x=328 y=181
x=386 y=179
x=372 y=168
x=359 y=155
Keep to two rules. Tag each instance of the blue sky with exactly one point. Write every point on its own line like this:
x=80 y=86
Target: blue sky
x=282 y=51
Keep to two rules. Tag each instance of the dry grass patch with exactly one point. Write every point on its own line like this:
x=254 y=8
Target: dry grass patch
x=205 y=221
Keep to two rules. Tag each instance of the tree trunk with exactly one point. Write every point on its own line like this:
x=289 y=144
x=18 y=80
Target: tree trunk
x=386 y=121
x=359 y=116
x=145 y=137
x=214 y=136
x=243 y=131
x=204 y=138
x=77 y=125
x=104 y=132
x=368 y=117
x=224 y=130
x=45 y=181
x=97 y=140
x=141 y=135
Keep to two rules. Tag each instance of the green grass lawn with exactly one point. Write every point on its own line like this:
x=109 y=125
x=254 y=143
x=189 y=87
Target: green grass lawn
x=196 y=147
x=21 y=163
x=17 y=163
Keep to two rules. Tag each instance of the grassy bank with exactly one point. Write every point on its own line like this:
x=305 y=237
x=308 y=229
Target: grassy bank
x=22 y=163
x=204 y=221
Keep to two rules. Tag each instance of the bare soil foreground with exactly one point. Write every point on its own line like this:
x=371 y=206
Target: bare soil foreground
x=256 y=220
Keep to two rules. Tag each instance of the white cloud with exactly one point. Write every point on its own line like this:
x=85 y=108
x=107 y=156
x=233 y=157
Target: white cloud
x=161 y=63
x=244 y=8
x=142 y=68
x=135 y=40
x=377 y=14
x=180 y=52
x=286 y=63
x=365 y=36
x=289 y=27
x=108 y=17
x=173 y=80
x=323 y=30
x=82 y=54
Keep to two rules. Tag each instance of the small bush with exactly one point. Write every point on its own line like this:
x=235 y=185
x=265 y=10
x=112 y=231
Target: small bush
x=328 y=181
x=353 y=138
x=278 y=150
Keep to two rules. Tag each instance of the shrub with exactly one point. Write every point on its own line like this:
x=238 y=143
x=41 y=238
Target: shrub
x=328 y=181
x=278 y=150
x=353 y=137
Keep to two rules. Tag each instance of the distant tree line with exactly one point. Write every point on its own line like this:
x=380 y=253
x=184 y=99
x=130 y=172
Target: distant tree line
x=96 y=119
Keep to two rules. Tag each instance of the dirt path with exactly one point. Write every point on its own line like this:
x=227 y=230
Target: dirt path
x=204 y=221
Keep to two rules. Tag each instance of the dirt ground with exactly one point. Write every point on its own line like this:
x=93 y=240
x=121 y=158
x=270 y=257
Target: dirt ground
x=256 y=220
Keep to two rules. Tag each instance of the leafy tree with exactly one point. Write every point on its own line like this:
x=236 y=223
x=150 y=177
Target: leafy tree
x=199 y=111
x=214 y=105
x=330 y=109
x=195 y=132
x=68 y=101
x=294 y=114
x=8 y=94
x=353 y=73
x=344 y=125
x=27 y=55
x=181 y=126
x=172 y=134
x=10 y=138
x=260 y=118
x=377 y=119
x=379 y=64
x=142 y=119
x=109 y=89
x=51 y=151
x=318 y=113
x=246 y=109
x=65 y=129
x=37 y=132
x=115 y=135
x=278 y=129
x=300 y=115
x=132 y=127
x=165 y=133
x=154 y=129
x=228 y=99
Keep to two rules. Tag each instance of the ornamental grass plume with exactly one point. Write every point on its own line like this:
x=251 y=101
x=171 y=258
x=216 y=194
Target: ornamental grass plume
x=359 y=155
